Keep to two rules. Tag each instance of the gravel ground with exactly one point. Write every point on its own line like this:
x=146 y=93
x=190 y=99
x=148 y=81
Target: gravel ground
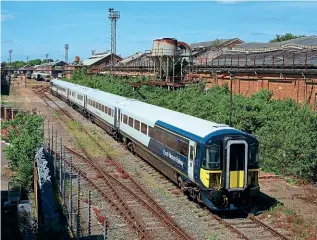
x=195 y=220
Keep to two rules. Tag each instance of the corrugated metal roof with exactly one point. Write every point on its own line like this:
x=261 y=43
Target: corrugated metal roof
x=132 y=57
x=49 y=64
x=211 y=43
x=280 y=58
x=303 y=42
x=95 y=58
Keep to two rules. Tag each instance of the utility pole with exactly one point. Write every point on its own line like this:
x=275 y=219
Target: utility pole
x=10 y=53
x=66 y=52
x=230 y=116
x=114 y=17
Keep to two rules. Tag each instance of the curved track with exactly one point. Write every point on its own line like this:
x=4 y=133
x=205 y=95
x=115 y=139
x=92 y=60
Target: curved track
x=143 y=213
x=246 y=228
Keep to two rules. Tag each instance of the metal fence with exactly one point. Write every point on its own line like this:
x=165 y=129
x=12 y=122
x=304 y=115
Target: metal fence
x=75 y=195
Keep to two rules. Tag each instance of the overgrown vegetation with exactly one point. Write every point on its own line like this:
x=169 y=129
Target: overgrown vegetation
x=287 y=132
x=285 y=218
x=25 y=134
x=286 y=36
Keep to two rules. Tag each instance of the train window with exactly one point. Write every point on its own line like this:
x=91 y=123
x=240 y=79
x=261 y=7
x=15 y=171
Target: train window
x=144 y=128
x=160 y=136
x=106 y=109
x=130 y=121
x=170 y=142
x=125 y=119
x=137 y=125
x=253 y=156
x=152 y=132
x=182 y=148
x=103 y=108
x=121 y=117
x=212 y=158
x=109 y=111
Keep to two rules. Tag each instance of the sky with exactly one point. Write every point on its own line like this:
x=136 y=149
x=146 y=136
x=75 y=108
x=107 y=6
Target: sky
x=36 y=28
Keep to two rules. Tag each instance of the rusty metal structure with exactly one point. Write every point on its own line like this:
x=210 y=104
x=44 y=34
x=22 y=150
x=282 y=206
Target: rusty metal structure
x=114 y=17
x=66 y=52
x=10 y=55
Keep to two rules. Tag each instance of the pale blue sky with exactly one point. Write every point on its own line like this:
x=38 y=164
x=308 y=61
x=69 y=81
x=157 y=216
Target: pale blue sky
x=36 y=28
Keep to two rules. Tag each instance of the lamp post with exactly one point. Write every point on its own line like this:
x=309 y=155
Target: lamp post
x=230 y=113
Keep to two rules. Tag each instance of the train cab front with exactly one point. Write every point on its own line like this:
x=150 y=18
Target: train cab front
x=229 y=171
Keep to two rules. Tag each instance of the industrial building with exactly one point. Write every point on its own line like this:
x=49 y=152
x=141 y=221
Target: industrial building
x=52 y=68
x=288 y=68
x=99 y=61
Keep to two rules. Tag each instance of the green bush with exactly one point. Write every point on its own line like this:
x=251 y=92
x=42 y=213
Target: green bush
x=287 y=132
x=25 y=135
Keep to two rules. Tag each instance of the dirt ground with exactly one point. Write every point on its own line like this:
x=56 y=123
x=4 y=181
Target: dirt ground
x=301 y=199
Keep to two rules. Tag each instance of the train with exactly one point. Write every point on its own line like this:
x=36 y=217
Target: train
x=214 y=164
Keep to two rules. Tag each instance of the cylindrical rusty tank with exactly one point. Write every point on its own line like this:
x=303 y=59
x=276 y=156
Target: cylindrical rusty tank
x=77 y=59
x=164 y=47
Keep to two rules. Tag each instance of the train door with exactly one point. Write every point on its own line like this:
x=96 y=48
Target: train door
x=191 y=159
x=237 y=164
x=117 y=118
x=85 y=101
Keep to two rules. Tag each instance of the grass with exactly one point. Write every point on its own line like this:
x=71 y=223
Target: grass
x=288 y=219
x=213 y=237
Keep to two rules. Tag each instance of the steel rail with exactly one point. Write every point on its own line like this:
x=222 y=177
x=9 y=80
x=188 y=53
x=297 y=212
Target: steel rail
x=149 y=202
x=120 y=205
x=122 y=208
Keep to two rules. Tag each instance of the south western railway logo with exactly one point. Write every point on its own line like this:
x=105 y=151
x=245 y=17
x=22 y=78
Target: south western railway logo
x=173 y=158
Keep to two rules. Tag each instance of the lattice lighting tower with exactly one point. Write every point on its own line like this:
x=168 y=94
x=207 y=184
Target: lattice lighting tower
x=114 y=17
x=10 y=53
x=93 y=52
x=46 y=56
x=66 y=52
x=27 y=59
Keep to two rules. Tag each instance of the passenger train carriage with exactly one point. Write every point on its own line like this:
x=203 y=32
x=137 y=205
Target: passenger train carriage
x=216 y=164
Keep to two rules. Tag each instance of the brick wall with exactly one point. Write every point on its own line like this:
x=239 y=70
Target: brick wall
x=293 y=86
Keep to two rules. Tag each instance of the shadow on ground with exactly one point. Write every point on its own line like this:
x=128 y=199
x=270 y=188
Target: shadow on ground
x=9 y=223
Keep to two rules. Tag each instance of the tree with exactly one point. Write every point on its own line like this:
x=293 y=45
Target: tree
x=217 y=44
x=287 y=36
x=35 y=62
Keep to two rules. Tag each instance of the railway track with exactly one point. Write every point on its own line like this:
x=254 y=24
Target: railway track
x=250 y=228
x=129 y=198
x=244 y=227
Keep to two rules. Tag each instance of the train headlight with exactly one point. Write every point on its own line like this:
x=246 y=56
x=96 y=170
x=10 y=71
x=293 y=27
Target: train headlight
x=215 y=180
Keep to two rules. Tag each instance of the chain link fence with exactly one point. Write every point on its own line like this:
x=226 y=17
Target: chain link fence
x=75 y=195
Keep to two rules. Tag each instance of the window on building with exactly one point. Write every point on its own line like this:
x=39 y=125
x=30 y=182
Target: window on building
x=137 y=125
x=125 y=119
x=130 y=121
x=144 y=128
